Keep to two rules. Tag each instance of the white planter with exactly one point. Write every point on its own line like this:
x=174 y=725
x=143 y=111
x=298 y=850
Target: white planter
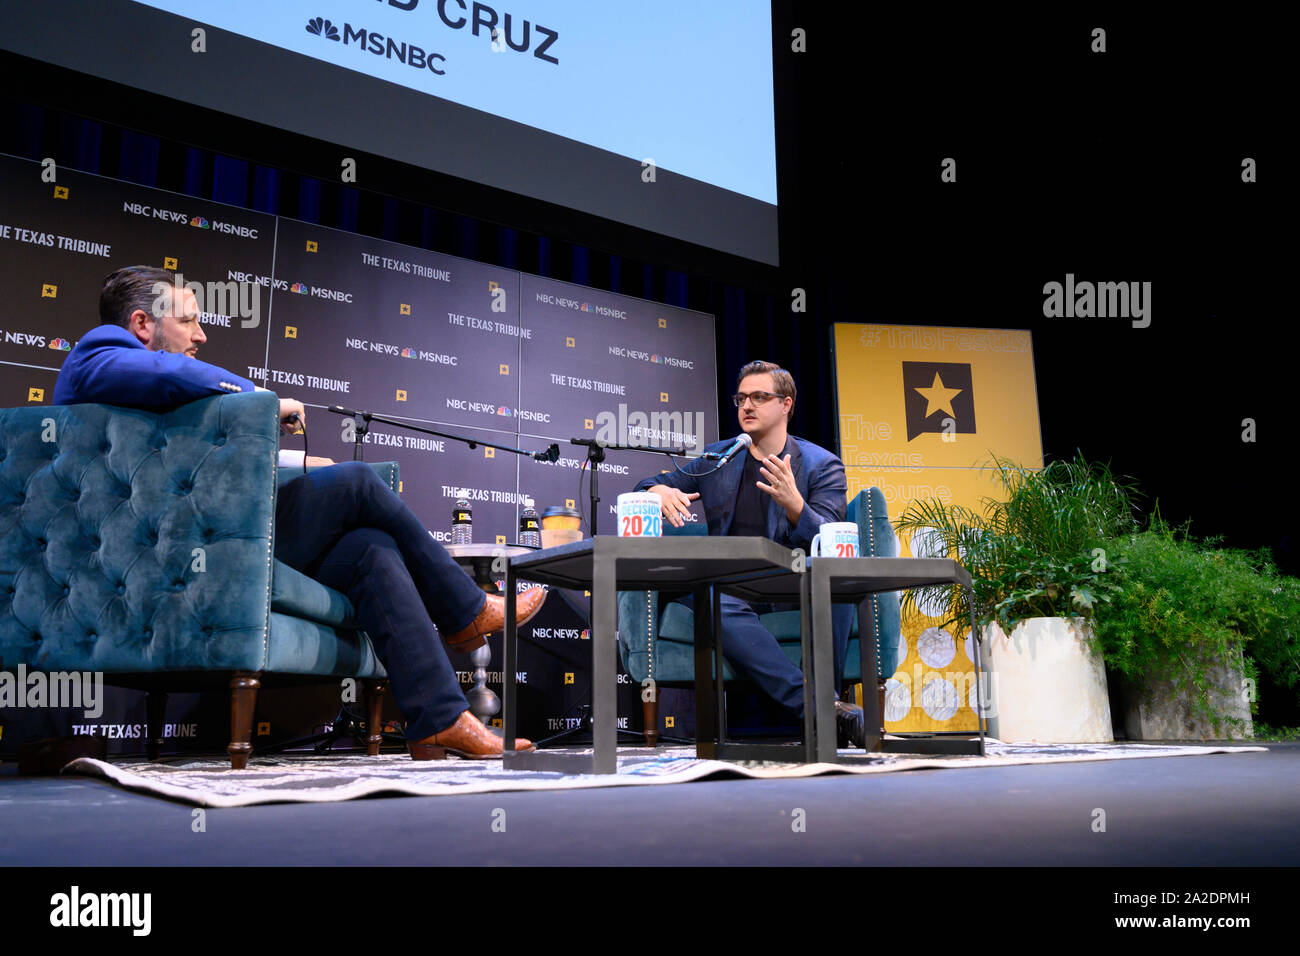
x=1045 y=683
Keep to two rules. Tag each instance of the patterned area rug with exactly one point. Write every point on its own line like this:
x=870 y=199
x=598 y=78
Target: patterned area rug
x=209 y=781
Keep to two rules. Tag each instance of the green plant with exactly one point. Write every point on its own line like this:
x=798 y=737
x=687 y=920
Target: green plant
x=1268 y=732
x=1031 y=550
x=1185 y=607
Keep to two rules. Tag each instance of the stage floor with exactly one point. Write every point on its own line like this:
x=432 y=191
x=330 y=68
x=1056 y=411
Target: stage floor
x=1233 y=810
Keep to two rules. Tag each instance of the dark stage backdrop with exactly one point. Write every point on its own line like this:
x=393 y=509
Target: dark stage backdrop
x=438 y=341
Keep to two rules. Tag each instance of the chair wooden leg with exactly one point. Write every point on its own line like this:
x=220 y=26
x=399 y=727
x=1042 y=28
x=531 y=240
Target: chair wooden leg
x=243 y=698
x=155 y=708
x=375 y=691
x=650 y=710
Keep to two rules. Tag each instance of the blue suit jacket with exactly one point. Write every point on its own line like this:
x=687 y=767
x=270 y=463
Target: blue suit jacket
x=111 y=366
x=818 y=474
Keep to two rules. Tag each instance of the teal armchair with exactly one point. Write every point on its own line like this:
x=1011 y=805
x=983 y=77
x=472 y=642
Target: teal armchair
x=656 y=640
x=141 y=545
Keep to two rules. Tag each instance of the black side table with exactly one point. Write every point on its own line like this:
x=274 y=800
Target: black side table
x=606 y=565
x=842 y=580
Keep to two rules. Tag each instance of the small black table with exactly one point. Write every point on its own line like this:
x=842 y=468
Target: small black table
x=605 y=565
x=844 y=580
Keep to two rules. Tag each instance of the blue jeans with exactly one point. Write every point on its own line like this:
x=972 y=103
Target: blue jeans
x=345 y=528
x=754 y=653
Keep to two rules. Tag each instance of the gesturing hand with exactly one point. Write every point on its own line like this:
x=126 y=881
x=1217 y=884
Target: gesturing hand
x=781 y=485
x=675 y=504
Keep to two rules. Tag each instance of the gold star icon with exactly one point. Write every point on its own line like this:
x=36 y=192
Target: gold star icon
x=939 y=398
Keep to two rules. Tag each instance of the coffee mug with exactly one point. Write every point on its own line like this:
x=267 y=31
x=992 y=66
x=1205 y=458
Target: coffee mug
x=840 y=539
x=640 y=515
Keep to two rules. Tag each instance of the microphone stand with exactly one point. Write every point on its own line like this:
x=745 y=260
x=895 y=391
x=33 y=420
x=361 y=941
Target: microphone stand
x=595 y=455
x=552 y=452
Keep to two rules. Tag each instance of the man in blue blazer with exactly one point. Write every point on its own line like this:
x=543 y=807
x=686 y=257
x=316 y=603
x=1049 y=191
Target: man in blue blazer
x=339 y=524
x=783 y=488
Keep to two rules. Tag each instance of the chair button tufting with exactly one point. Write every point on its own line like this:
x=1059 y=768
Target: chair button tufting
x=220 y=440
x=105 y=448
x=40 y=545
x=121 y=589
x=66 y=590
x=148 y=633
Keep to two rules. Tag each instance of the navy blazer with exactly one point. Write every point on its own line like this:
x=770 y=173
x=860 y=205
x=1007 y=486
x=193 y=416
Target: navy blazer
x=818 y=474
x=111 y=366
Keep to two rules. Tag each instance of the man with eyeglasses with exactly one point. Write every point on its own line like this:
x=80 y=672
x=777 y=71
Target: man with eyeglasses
x=784 y=488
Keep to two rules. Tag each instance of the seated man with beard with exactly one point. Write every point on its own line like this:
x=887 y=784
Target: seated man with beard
x=340 y=525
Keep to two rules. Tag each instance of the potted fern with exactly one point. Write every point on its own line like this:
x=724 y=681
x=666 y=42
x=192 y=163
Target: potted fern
x=1039 y=573
x=1192 y=627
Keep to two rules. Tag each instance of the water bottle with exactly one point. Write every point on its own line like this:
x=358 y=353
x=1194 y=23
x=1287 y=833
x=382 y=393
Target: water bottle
x=462 y=518
x=530 y=528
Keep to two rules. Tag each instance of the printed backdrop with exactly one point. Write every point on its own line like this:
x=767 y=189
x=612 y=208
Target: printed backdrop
x=921 y=411
x=424 y=338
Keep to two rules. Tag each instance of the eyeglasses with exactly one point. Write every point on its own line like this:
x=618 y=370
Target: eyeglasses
x=758 y=398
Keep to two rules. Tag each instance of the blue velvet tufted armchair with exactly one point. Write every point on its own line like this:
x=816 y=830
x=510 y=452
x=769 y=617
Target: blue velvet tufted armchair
x=657 y=640
x=141 y=545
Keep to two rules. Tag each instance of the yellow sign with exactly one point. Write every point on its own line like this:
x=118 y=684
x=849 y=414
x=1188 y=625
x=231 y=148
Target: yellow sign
x=311 y=245
x=60 y=192
x=568 y=677
x=169 y=262
x=263 y=728
x=663 y=397
x=291 y=331
x=922 y=411
x=505 y=369
x=401 y=394
x=49 y=291
x=588 y=425
x=404 y=309
x=36 y=395
x=501 y=539
x=663 y=323
x=489 y=452
x=569 y=342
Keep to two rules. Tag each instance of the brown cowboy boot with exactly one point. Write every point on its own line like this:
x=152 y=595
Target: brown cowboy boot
x=493 y=618
x=465 y=738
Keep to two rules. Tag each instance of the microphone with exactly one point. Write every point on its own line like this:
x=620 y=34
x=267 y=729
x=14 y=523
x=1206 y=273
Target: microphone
x=742 y=442
x=552 y=453
x=352 y=412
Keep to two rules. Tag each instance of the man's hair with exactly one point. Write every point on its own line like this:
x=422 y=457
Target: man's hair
x=129 y=289
x=782 y=381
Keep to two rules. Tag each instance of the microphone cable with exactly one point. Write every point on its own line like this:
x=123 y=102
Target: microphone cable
x=295 y=417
